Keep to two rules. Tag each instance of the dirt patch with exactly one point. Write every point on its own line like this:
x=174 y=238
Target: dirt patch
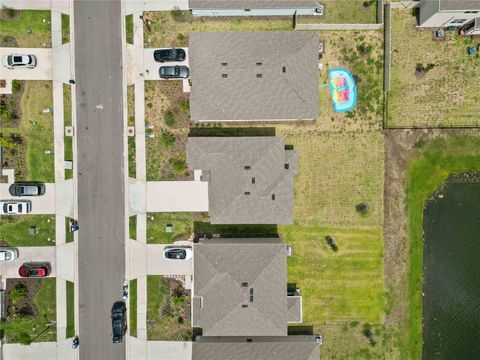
x=9 y=14
x=8 y=41
x=19 y=297
x=401 y=146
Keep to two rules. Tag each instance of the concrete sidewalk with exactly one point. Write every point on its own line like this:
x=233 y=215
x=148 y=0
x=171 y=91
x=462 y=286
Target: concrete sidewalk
x=61 y=350
x=56 y=5
x=133 y=6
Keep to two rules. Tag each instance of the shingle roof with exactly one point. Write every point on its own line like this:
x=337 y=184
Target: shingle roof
x=240 y=287
x=459 y=4
x=248 y=181
x=277 y=348
x=251 y=4
x=294 y=309
x=226 y=69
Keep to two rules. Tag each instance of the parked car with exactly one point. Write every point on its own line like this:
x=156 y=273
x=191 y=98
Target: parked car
x=15 y=61
x=174 y=72
x=35 y=269
x=15 y=207
x=8 y=254
x=119 y=321
x=27 y=189
x=178 y=253
x=163 y=55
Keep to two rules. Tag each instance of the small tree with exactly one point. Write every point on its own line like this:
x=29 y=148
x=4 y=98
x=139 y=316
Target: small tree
x=362 y=208
x=169 y=118
x=167 y=138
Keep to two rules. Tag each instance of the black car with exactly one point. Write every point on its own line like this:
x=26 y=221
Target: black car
x=119 y=321
x=164 y=55
x=174 y=72
x=27 y=189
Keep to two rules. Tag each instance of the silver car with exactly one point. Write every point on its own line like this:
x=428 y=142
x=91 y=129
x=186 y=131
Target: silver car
x=15 y=207
x=15 y=61
x=27 y=189
x=8 y=254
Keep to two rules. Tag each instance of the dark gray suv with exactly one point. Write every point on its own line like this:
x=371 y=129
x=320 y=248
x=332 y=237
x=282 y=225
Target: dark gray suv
x=119 y=321
x=174 y=72
x=27 y=189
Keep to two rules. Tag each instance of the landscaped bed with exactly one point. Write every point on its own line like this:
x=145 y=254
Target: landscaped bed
x=167 y=314
x=25 y=28
x=433 y=83
x=28 y=230
x=30 y=310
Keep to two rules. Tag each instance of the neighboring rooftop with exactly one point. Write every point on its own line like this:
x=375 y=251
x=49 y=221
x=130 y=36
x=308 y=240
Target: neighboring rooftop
x=250 y=178
x=274 y=348
x=251 y=4
x=240 y=287
x=458 y=4
x=254 y=76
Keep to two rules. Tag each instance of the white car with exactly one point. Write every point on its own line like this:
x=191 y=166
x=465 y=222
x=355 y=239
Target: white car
x=178 y=253
x=15 y=207
x=8 y=254
x=15 y=61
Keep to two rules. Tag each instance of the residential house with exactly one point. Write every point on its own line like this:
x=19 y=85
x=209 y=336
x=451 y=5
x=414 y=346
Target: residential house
x=252 y=7
x=254 y=76
x=241 y=304
x=250 y=179
x=447 y=13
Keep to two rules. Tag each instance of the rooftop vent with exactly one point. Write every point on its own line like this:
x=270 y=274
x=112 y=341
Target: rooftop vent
x=273 y=196
x=259 y=64
x=244 y=306
x=224 y=76
x=253 y=180
x=287 y=166
x=284 y=69
x=247 y=167
x=244 y=284
x=249 y=340
x=224 y=64
x=259 y=76
x=246 y=193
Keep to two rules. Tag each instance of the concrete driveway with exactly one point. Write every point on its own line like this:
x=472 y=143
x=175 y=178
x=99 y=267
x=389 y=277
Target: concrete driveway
x=9 y=269
x=158 y=265
x=175 y=196
x=152 y=67
x=44 y=204
x=43 y=70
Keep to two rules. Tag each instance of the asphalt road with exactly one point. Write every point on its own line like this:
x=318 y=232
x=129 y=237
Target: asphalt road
x=101 y=196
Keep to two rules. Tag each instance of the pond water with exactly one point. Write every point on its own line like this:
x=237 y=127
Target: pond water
x=451 y=260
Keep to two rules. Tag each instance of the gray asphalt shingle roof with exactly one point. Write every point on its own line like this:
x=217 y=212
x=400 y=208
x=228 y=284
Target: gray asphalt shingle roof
x=459 y=4
x=248 y=179
x=251 y=4
x=268 y=350
x=240 y=287
x=254 y=76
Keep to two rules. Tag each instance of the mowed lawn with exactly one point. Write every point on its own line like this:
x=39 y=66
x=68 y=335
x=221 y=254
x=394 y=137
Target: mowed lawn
x=15 y=230
x=30 y=28
x=341 y=286
x=448 y=94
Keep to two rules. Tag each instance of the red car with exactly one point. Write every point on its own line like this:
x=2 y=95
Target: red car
x=34 y=269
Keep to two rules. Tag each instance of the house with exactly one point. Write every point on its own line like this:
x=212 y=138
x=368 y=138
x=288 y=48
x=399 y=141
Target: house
x=252 y=7
x=447 y=13
x=250 y=179
x=241 y=304
x=254 y=76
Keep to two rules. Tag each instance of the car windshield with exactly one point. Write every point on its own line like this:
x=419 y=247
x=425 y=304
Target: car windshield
x=5 y=208
x=176 y=254
x=19 y=207
x=9 y=60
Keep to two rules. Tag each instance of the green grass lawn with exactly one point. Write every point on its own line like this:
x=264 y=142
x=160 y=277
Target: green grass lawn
x=129 y=28
x=68 y=233
x=345 y=12
x=133 y=307
x=427 y=173
x=65 y=28
x=70 y=309
x=448 y=94
x=45 y=302
x=132 y=227
x=67 y=120
x=157 y=222
x=163 y=312
x=341 y=286
x=14 y=230
x=29 y=28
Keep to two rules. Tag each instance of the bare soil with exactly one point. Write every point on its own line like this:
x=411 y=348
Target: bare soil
x=31 y=286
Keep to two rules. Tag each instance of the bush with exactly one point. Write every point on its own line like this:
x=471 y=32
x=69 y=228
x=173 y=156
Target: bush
x=8 y=12
x=362 y=208
x=167 y=138
x=18 y=294
x=169 y=118
x=180 y=37
x=16 y=86
x=184 y=105
x=178 y=15
x=179 y=164
x=23 y=338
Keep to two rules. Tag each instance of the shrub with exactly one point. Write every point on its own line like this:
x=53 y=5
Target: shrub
x=149 y=105
x=18 y=294
x=23 y=338
x=178 y=15
x=167 y=138
x=362 y=208
x=180 y=37
x=8 y=12
x=169 y=118
x=26 y=312
x=179 y=164
x=184 y=105
x=16 y=86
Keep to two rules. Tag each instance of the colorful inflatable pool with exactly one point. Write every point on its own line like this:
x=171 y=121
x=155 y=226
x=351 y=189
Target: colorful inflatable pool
x=342 y=89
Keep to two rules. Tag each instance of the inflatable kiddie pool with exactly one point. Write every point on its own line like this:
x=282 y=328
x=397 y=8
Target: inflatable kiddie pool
x=342 y=89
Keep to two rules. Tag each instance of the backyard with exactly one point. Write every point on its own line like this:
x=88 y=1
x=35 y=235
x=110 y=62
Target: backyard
x=30 y=310
x=25 y=28
x=433 y=83
x=28 y=230
x=344 y=12
x=167 y=302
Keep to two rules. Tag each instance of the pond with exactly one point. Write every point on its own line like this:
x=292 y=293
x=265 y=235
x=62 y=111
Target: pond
x=451 y=259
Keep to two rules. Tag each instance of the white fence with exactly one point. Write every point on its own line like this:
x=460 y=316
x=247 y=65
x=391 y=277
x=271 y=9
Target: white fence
x=338 y=26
